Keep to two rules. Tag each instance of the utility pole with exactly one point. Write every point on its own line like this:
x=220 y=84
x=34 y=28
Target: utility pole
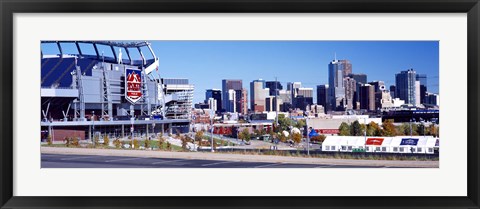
x=365 y=132
x=276 y=102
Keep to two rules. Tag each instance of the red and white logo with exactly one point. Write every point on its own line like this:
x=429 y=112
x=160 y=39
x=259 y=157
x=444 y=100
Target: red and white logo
x=133 y=85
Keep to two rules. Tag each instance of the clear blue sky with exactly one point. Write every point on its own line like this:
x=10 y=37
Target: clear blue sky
x=206 y=63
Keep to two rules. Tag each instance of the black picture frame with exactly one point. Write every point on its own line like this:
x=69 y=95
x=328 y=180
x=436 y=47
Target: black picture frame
x=10 y=7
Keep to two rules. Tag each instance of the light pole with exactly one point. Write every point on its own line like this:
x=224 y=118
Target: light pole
x=365 y=132
x=212 y=115
x=93 y=128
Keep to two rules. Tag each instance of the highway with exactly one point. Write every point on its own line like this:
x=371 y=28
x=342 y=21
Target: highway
x=99 y=161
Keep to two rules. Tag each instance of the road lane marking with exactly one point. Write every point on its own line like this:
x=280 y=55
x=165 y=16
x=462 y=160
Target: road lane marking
x=167 y=161
x=74 y=158
x=218 y=163
x=108 y=161
x=262 y=166
x=324 y=166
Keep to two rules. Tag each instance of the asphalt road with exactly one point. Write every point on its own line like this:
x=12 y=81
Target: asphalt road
x=97 y=161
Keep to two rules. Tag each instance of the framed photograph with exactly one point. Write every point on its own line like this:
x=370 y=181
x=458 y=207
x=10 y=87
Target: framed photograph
x=239 y=104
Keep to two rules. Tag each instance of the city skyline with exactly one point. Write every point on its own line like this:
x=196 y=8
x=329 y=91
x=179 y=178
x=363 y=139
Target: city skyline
x=207 y=63
x=253 y=60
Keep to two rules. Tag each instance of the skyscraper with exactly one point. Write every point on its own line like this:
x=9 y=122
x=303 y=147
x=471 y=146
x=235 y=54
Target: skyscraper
x=322 y=96
x=379 y=87
x=405 y=86
x=367 y=97
x=258 y=93
x=244 y=102
x=272 y=85
x=303 y=99
x=215 y=94
x=350 y=89
x=360 y=80
x=336 y=70
x=422 y=78
x=235 y=85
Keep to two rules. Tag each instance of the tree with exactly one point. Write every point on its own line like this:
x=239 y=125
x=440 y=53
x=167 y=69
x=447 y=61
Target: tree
x=199 y=136
x=300 y=123
x=284 y=122
x=244 y=135
x=433 y=130
x=296 y=137
x=161 y=140
x=388 y=128
x=344 y=129
x=282 y=137
x=421 y=130
x=106 y=140
x=49 y=139
x=373 y=129
x=319 y=138
x=356 y=129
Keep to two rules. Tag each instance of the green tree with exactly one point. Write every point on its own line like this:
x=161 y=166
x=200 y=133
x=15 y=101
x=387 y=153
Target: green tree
x=344 y=129
x=244 y=135
x=388 y=128
x=284 y=122
x=421 y=130
x=300 y=123
x=356 y=129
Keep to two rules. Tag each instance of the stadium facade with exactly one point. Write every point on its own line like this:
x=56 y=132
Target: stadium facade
x=119 y=93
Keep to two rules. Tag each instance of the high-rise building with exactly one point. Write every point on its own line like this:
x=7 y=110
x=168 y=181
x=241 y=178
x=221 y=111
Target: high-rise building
x=235 y=85
x=367 y=97
x=360 y=78
x=336 y=70
x=405 y=86
x=417 y=93
x=350 y=89
x=322 y=96
x=212 y=104
x=392 y=91
x=271 y=103
x=347 y=70
x=244 y=102
x=432 y=99
x=274 y=86
x=304 y=98
x=422 y=78
x=258 y=93
x=215 y=94
x=230 y=101
x=379 y=87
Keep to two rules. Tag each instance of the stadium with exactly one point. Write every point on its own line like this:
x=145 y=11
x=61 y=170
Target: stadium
x=93 y=87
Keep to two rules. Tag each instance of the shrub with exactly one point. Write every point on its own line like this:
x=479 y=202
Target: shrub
x=67 y=141
x=169 y=146
x=117 y=143
x=75 y=141
x=136 y=144
x=106 y=140
x=184 y=143
x=49 y=139
x=96 y=140
x=147 y=143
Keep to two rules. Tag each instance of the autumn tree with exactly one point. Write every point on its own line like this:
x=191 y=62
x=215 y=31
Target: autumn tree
x=388 y=128
x=244 y=135
x=297 y=138
x=344 y=129
x=373 y=129
x=433 y=130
